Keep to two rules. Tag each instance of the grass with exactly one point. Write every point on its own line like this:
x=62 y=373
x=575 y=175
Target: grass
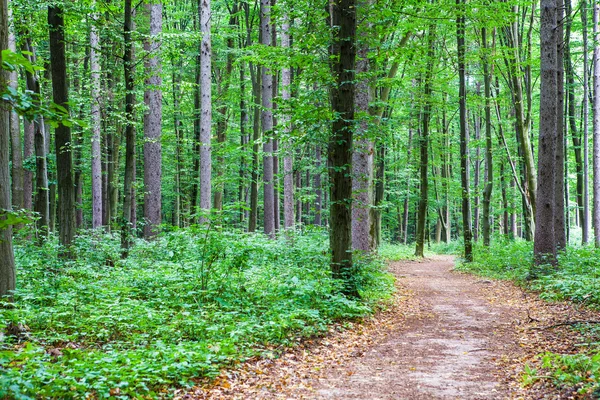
x=177 y=310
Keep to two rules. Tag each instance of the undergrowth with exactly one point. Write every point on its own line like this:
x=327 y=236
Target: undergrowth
x=178 y=309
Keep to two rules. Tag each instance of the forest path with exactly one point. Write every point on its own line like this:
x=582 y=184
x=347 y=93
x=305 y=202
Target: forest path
x=445 y=349
x=448 y=335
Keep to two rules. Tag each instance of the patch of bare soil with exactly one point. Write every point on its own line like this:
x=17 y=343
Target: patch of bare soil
x=448 y=335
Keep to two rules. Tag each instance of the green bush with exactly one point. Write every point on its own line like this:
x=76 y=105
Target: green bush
x=180 y=307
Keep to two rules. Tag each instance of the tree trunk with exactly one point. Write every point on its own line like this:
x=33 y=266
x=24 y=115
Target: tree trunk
x=205 y=110
x=153 y=124
x=596 y=138
x=96 y=99
x=130 y=145
x=464 y=136
x=15 y=131
x=267 y=124
x=544 y=245
x=362 y=160
x=585 y=226
x=424 y=144
x=343 y=56
x=288 y=178
x=256 y=87
x=64 y=155
x=560 y=237
x=489 y=170
x=7 y=261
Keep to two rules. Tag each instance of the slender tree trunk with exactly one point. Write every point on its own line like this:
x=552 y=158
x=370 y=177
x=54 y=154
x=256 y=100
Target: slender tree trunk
x=288 y=168
x=424 y=144
x=343 y=56
x=544 y=246
x=64 y=154
x=267 y=124
x=586 y=197
x=477 y=172
x=464 y=138
x=318 y=187
x=489 y=170
x=153 y=124
x=96 y=126
x=15 y=131
x=560 y=237
x=596 y=138
x=177 y=126
x=256 y=87
x=206 y=109
x=130 y=145
x=7 y=261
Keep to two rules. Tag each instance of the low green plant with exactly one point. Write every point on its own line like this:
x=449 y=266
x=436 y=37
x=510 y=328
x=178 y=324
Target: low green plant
x=179 y=308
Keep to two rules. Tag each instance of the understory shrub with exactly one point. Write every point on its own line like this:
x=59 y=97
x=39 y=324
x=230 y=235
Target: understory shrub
x=178 y=309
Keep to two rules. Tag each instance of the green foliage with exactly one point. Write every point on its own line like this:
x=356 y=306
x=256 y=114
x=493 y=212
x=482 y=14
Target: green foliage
x=179 y=308
x=504 y=259
x=572 y=370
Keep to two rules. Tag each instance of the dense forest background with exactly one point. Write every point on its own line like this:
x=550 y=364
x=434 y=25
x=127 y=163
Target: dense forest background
x=175 y=130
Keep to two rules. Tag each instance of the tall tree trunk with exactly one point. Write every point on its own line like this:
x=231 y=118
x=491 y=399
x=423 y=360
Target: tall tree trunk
x=464 y=137
x=7 y=261
x=343 y=56
x=96 y=99
x=153 y=124
x=256 y=87
x=288 y=168
x=585 y=226
x=560 y=237
x=489 y=170
x=267 y=124
x=177 y=125
x=15 y=131
x=572 y=118
x=596 y=138
x=318 y=187
x=362 y=160
x=477 y=171
x=130 y=145
x=544 y=246
x=64 y=155
x=424 y=144
x=205 y=109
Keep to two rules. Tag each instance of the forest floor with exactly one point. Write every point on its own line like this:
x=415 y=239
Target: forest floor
x=447 y=335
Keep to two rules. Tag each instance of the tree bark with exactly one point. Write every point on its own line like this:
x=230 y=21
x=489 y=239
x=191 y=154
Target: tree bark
x=153 y=124
x=424 y=144
x=464 y=137
x=343 y=55
x=97 y=206
x=596 y=137
x=15 y=131
x=362 y=160
x=130 y=145
x=560 y=237
x=267 y=124
x=205 y=110
x=7 y=261
x=585 y=222
x=544 y=245
x=288 y=167
x=489 y=170
x=64 y=155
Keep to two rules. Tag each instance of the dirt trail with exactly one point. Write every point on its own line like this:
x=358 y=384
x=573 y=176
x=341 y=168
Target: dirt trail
x=445 y=349
x=448 y=335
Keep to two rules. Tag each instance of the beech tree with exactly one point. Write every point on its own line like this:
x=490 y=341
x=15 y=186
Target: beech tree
x=153 y=124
